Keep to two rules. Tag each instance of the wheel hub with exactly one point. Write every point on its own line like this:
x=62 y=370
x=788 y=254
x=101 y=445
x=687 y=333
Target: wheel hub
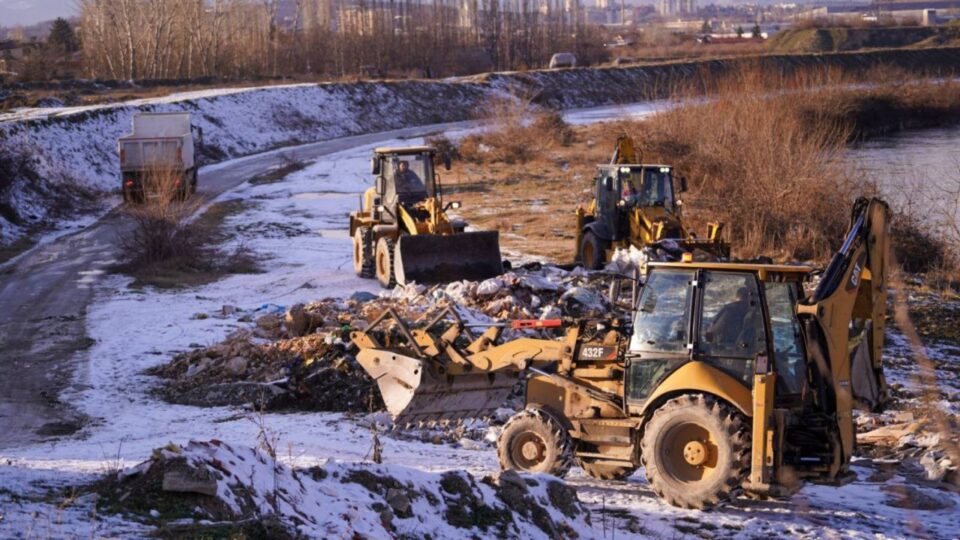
x=695 y=453
x=531 y=451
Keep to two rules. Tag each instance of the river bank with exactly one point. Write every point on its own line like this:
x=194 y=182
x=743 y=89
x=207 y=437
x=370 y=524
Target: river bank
x=772 y=166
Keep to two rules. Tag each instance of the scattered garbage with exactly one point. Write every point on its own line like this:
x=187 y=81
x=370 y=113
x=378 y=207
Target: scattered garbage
x=301 y=356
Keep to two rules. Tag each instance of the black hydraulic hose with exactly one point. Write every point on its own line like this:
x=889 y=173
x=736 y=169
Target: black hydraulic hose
x=835 y=271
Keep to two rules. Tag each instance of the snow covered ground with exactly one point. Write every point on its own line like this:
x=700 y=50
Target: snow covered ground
x=298 y=225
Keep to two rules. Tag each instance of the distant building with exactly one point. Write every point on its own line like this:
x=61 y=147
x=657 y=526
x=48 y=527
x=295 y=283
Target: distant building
x=317 y=14
x=676 y=8
x=926 y=13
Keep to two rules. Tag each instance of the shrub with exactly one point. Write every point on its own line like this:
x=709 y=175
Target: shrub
x=756 y=164
x=518 y=132
x=161 y=230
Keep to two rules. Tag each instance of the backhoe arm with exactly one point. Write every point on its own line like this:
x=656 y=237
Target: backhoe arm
x=847 y=314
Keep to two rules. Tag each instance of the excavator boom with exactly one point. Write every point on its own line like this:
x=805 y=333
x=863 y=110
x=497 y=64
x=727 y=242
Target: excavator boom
x=852 y=295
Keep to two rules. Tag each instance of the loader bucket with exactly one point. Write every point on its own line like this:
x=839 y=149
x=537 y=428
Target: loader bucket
x=416 y=391
x=434 y=258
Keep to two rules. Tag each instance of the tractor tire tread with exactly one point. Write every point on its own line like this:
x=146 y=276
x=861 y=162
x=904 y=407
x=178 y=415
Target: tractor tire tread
x=561 y=442
x=732 y=423
x=366 y=267
x=390 y=248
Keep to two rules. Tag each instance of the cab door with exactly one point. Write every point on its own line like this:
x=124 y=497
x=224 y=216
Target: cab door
x=607 y=197
x=731 y=328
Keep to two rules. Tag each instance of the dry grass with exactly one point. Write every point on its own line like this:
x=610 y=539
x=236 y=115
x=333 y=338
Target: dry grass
x=755 y=163
x=518 y=133
x=161 y=230
x=765 y=155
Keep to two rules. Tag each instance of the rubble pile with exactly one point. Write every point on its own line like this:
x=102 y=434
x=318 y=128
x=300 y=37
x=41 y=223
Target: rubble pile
x=211 y=481
x=313 y=372
x=302 y=357
x=909 y=444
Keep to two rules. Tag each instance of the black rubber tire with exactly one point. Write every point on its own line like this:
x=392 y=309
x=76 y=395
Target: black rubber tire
x=383 y=263
x=592 y=251
x=606 y=472
x=665 y=460
x=363 y=252
x=554 y=448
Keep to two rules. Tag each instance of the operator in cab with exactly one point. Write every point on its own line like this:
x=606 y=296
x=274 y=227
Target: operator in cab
x=407 y=180
x=734 y=324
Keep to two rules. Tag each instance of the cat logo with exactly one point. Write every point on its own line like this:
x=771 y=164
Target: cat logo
x=856 y=273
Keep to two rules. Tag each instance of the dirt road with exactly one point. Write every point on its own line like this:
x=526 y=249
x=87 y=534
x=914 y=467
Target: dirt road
x=44 y=296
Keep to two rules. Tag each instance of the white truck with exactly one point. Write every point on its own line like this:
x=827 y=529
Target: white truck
x=159 y=143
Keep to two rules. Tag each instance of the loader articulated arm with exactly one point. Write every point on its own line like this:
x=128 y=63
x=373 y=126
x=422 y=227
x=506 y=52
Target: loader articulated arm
x=439 y=373
x=844 y=320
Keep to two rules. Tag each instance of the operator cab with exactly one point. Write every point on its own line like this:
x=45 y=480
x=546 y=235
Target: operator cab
x=728 y=316
x=621 y=187
x=407 y=174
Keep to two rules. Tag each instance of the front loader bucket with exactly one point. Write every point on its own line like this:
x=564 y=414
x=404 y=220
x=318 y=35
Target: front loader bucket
x=434 y=258
x=414 y=391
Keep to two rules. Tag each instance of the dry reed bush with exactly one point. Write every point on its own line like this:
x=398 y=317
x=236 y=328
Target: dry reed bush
x=765 y=155
x=167 y=246
x=161 y=229
x=518 y=132
x=754 y=163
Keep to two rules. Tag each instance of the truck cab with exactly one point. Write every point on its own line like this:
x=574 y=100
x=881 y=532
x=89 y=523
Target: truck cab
x=403 y=176
x=620 y=189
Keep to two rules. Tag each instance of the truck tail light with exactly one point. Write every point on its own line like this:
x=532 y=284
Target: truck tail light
x=128 y=183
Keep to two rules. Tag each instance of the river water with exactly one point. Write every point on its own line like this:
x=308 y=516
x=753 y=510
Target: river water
x=914 y=168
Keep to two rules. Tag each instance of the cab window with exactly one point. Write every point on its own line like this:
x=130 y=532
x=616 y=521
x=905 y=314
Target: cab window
x=409 y=172
x=649 y=186
x=662 y=321
x=731 y=328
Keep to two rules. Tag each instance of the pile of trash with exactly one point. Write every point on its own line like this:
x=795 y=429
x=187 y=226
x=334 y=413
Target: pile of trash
x=535 y=291
x=303 y=358
x=910 y=444
x=214 y=483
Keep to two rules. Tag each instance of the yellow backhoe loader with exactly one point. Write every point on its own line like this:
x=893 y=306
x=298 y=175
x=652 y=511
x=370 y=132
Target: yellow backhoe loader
x=637 y=205
x=401 y=233
x=726 y=377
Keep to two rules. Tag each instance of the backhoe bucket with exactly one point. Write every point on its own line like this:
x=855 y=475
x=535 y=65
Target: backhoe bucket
x=434 y=258
x=415 y=391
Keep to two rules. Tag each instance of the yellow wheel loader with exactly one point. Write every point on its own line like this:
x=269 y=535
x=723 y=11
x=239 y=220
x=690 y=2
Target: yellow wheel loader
x=401 y=233
x=637 y=205
x=726 y=377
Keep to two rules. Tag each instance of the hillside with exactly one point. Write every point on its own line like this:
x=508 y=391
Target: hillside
x=837 y=39
x=54 y=158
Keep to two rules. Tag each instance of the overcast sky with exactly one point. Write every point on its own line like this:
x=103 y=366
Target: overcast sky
x=14 y=12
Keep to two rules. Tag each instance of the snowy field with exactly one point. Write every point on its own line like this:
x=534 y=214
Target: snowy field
x=298 y=225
